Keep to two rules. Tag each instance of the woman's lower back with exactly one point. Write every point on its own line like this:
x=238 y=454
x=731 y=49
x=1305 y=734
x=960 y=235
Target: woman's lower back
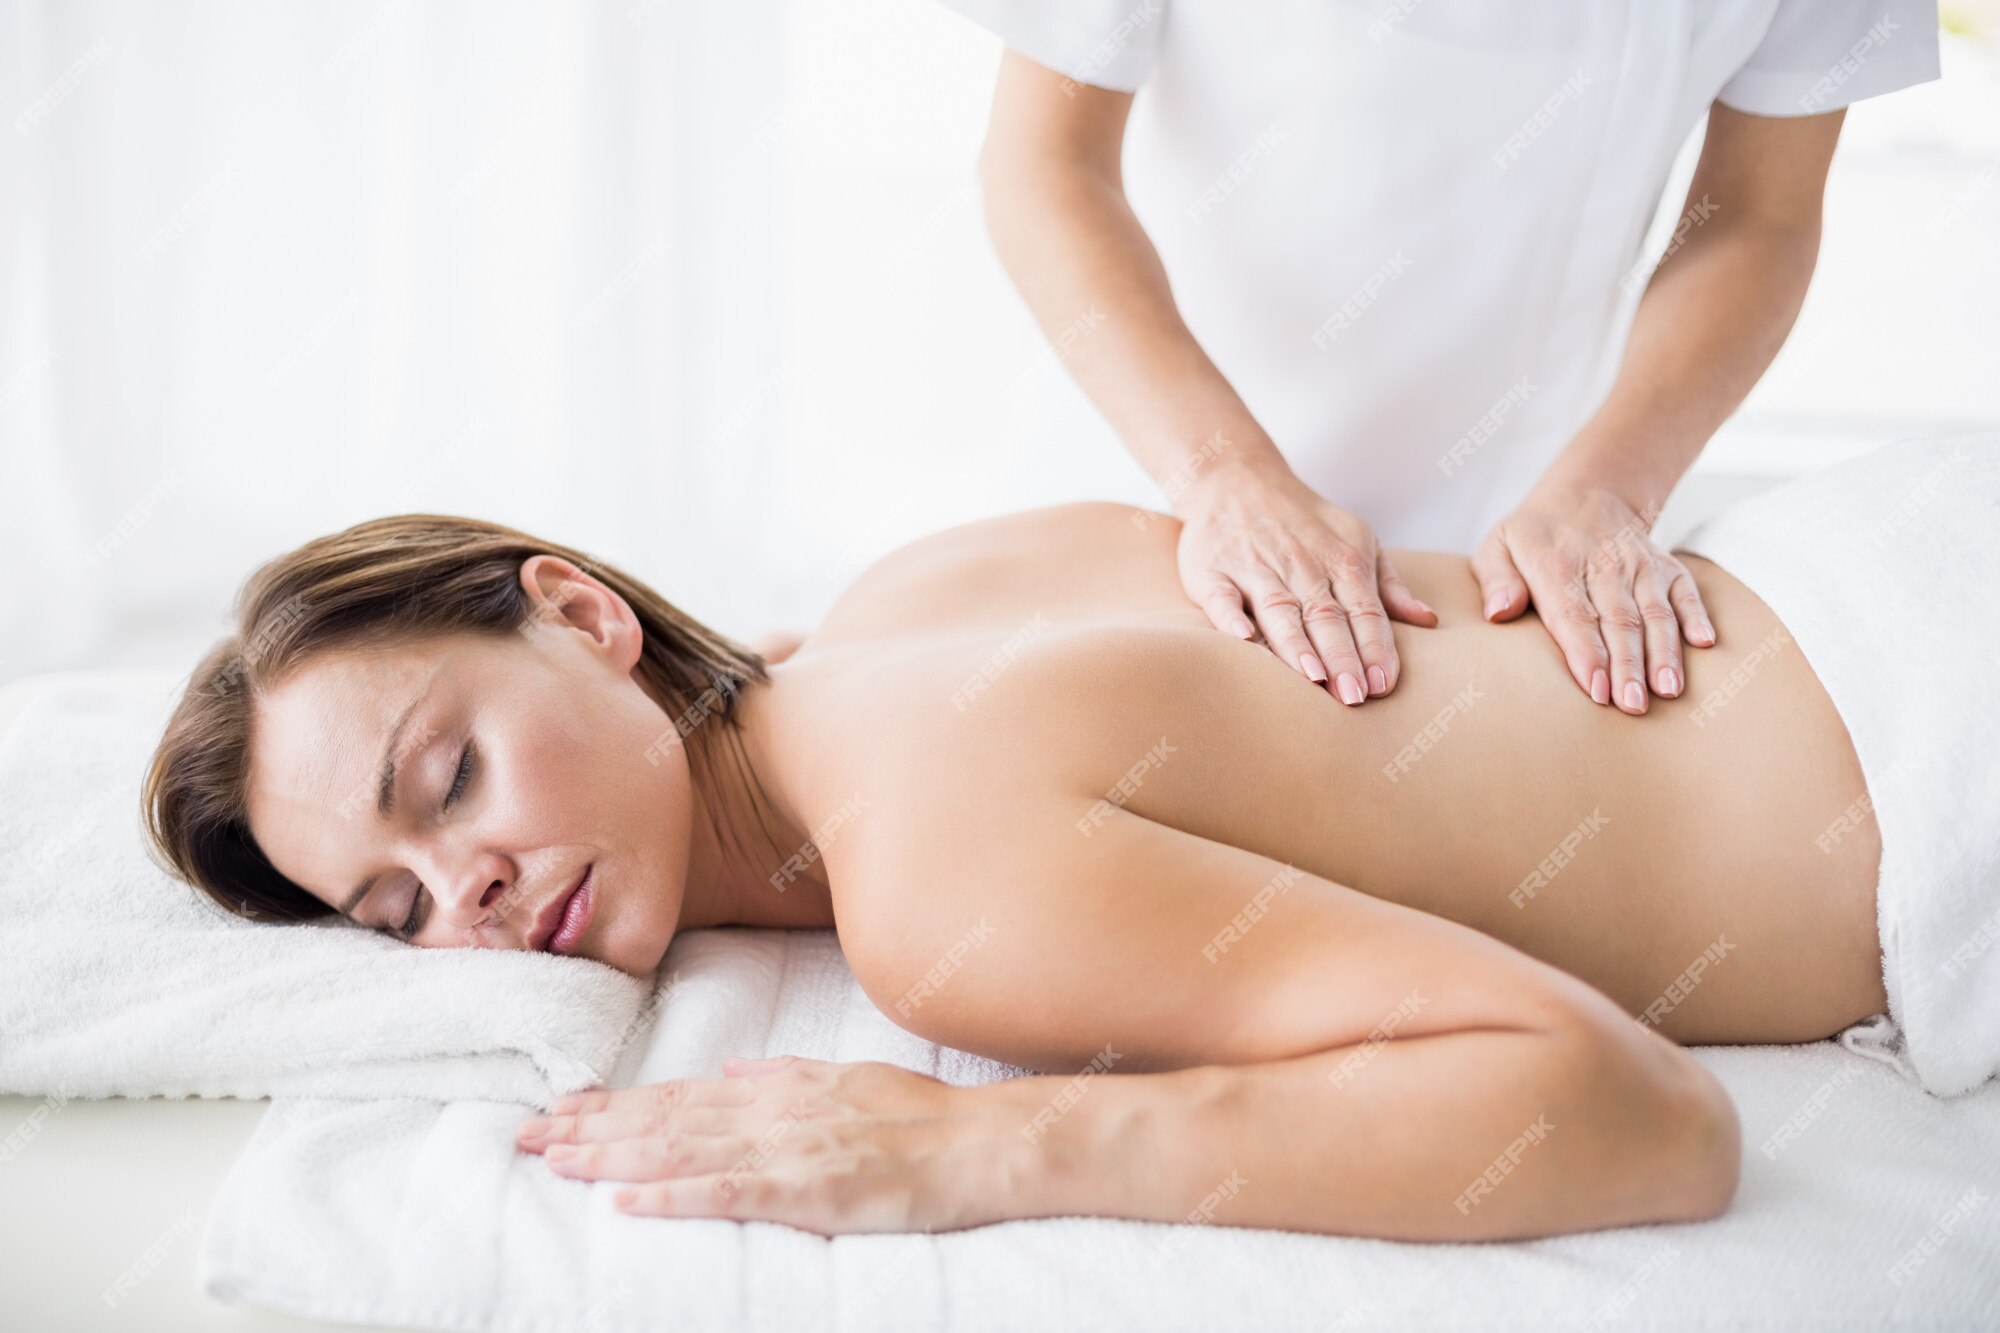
x=1702 y=864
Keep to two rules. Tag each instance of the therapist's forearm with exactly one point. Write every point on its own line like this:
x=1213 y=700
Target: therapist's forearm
x=1712 y=319
x=1079 y=257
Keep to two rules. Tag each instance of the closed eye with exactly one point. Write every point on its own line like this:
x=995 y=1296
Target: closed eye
x=458 y=786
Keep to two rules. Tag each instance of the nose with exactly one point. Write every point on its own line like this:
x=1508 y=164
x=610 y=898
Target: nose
x=473 y=893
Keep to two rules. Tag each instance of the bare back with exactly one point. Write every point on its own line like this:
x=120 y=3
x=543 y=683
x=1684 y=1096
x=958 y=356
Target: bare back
x=1694 y=863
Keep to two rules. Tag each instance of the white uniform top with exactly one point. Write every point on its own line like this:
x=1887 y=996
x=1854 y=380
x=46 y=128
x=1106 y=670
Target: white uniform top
x=1409 y=232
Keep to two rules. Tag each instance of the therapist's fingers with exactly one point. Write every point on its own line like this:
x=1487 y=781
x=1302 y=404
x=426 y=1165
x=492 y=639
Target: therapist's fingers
x=1403 y=604
x=1562 y=598
x=1503 y=593
x=1223 y=601
x=1623 y=630
x=1689 y=609
x=1278 y=614
x=1663 y=632
x=1366 y=621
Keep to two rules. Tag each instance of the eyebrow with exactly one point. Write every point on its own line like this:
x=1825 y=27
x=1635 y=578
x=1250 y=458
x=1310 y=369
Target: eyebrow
x=385 y=790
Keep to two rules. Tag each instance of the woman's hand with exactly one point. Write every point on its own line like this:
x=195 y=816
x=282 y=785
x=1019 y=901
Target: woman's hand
x=825 y=1147
x=1322 y=591
x=1616 y=602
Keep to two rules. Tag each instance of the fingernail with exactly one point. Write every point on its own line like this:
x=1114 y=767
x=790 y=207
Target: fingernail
x=1670 y=682
x=1350 y=688
x=1704 y=635
x=559 y=1152
x=1378 y=682
x=1635 y=696
x=1494 y=605
x=535 y=1128
x=1245 y=630
x=1310 y=665
x=1600 y=687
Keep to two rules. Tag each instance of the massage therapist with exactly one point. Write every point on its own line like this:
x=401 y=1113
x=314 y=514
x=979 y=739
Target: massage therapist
x=1378 y=281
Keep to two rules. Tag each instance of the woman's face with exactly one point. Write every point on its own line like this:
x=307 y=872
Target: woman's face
x=519 y=762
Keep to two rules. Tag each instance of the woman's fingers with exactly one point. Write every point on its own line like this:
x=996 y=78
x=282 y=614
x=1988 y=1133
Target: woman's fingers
x=651 y=1157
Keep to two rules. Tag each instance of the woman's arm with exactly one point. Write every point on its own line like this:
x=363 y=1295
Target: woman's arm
x=1234 y=1041
x=1363 y=1067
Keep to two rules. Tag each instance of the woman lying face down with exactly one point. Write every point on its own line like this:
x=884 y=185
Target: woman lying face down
x=1062 y=822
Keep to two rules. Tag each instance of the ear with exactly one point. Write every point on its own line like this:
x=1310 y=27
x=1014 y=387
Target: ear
x=562 y=596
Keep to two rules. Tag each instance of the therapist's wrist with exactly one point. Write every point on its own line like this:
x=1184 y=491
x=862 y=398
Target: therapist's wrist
x=1223 y=468
x=1610 y=470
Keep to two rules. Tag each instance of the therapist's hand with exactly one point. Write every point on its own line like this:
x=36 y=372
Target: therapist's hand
x=1616 y=602
x=1318 y=585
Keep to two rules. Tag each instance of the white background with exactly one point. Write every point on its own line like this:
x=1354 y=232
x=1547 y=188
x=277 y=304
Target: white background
x=703 y=289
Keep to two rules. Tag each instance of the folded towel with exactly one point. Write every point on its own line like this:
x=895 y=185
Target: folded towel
x=118 y=980
x=1864 y=1203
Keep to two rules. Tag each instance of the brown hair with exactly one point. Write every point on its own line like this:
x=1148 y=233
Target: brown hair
x=384 y=582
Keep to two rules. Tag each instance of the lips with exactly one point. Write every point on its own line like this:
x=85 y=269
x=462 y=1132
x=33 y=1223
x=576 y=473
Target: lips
x=561 y=923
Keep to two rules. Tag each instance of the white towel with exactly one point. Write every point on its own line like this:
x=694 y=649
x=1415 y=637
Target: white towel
x=118 y=980
x=1864 y=1203
x=1885 y=569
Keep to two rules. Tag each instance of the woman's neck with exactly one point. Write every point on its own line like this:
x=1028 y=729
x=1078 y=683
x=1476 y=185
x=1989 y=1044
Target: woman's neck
x=747 y=832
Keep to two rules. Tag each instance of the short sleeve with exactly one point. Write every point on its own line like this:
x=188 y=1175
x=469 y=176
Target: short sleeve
x=1106 y=43
x=1820 y=55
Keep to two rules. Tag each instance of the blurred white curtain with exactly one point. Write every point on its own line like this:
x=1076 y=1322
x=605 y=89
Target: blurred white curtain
x=269 y=269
